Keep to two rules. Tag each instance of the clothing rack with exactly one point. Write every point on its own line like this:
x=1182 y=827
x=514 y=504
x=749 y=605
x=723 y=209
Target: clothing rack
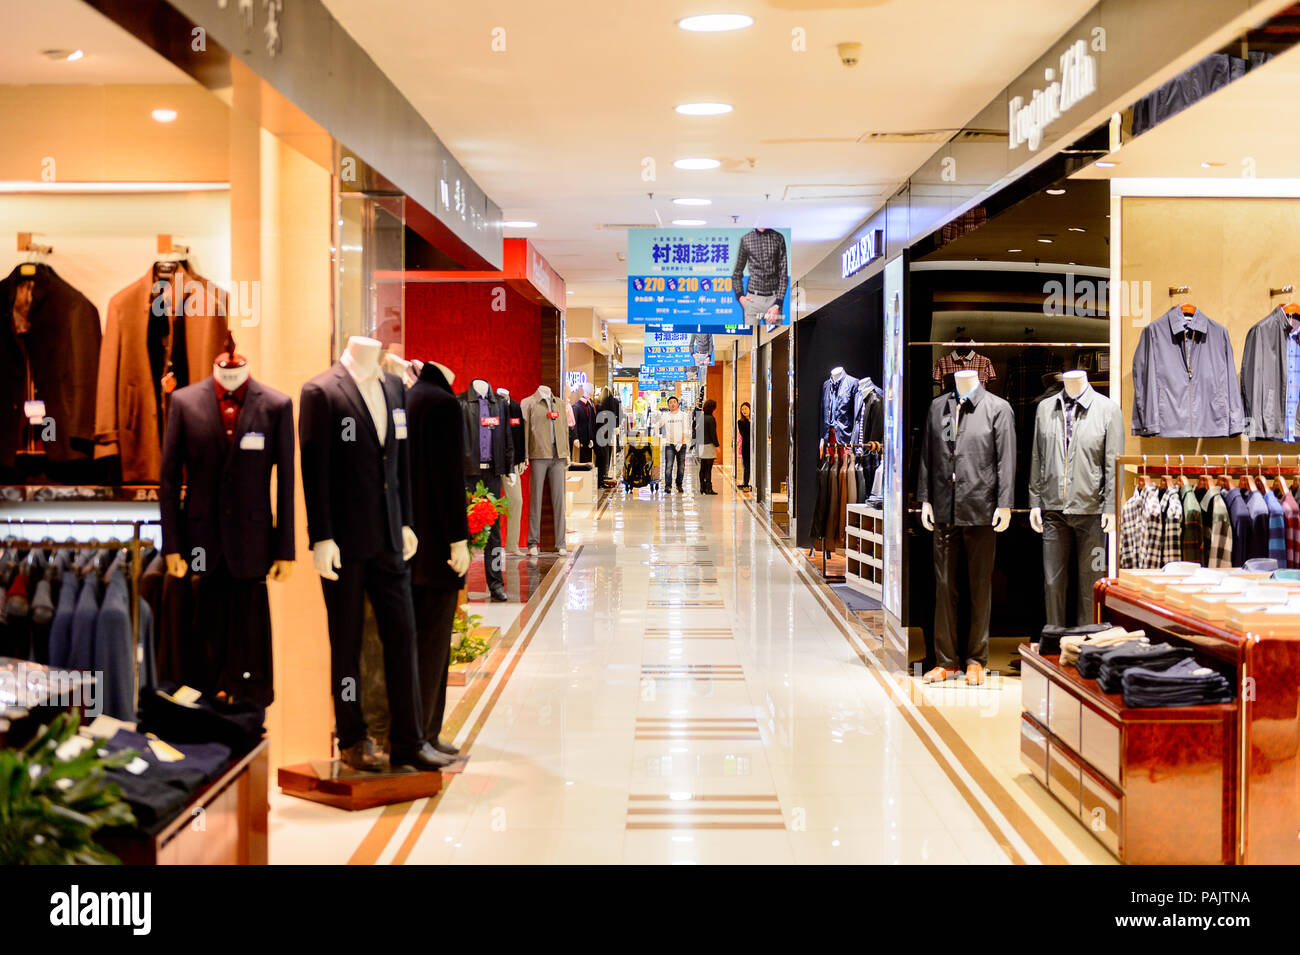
x=853 y=448
x=1019 y=344
x=133 y=545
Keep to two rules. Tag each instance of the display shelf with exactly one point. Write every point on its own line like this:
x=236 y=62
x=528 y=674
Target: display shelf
x=864 y=549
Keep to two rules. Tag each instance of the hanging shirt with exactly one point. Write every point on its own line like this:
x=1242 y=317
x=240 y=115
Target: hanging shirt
x=1171 y=527
x=1193 y=527
x=1132 y=531
x=1276 y=528
x=1292 y=382
x=1291 y=514
x=952 y=363
x=1242 y=527
x=1218 y=528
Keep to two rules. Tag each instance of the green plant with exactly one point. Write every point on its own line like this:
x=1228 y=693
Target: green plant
x=51 y=808
x=470 y=646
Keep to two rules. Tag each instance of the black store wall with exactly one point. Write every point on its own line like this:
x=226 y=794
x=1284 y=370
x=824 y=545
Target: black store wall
x=848 y=332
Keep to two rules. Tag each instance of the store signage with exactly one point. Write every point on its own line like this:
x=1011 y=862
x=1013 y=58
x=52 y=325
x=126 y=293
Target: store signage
x=686 y=276
x=574 y=380
x=671 y=372
x=1078 y=81
x=862 y=253
x=705 y=329
x=666 y=349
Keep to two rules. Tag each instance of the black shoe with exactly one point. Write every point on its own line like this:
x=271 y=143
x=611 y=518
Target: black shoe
x=499 y=595
x=361 y=757
x=442 y=747
x=426 y=759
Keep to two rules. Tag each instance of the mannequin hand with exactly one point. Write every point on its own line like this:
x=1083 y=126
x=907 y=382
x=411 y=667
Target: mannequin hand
x=1108 y=523
x=176 y=565
x=281 y=569
x=1001 y=519
x=410 y=543
x=327 y=559
x=927 y=516
x=511 y=478
x=459 y=562
x=1036 y=518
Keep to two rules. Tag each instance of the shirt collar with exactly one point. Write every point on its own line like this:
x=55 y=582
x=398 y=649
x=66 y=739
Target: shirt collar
x=1198 y=321
x=359 y=376
x=974 y=397
x=239 y=392
x=1083 y=401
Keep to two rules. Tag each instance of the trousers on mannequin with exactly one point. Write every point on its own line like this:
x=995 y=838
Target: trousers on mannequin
x=514 y=522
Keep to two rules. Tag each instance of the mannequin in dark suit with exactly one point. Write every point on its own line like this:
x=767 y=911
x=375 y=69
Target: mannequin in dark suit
x=224 y=531
x=355 y=477
x=438 y=568
x=489 y=457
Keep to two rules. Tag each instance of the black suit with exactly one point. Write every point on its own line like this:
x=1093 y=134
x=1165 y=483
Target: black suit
x=502 y=459
x=437 y=448
x=227 y=507
x=358 y=494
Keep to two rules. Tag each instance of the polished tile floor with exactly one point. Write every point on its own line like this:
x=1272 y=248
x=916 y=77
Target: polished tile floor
x=680 y=691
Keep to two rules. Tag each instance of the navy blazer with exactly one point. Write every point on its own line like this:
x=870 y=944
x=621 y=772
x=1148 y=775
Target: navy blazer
x=227 y=506
x=357 y=492
x=838 y=406
x=81 y=649
x=61 y=627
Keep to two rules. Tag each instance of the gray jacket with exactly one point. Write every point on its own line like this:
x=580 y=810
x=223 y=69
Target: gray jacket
x=1264 y=378
x=1185 y=379
x=1079 y=479
x=968 y=463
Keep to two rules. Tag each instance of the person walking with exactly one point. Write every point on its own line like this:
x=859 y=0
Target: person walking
x=707 y=435
x=742 y=442
x=673 y=429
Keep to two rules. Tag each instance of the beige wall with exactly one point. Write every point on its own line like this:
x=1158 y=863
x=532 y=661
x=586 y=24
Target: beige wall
x=1230 y=252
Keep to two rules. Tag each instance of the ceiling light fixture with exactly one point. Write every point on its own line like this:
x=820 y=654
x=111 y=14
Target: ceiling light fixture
x=164 y=115
x=687 y=201
x=1015 y=250
x=1045 y=241
x=1106 y=164
x=697 y=163
x=63 y=56
x=715 y=22
x=519 y=224
x=1075 y=228
x=75 y=55
x=1056 y=192
x=688 y=222
x=704 y=109
x=1212 y=165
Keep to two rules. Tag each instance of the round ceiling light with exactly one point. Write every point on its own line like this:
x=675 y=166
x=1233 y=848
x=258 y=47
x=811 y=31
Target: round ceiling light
x=1075 y=228
x=688 y=222
x=1045 y=241
x=519 y=224
x=697 y=163
x=688 y=201
x=63 y=56
x=1056 y=192
x=715 y=22
x=704 y=109
x=1015 y=250
x=164 y=115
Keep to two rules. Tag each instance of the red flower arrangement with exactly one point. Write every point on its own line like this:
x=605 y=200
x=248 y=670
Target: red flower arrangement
x=483 y=510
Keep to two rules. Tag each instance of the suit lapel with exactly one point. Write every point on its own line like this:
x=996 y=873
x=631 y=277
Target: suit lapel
x=247 y=416
x=359 y=408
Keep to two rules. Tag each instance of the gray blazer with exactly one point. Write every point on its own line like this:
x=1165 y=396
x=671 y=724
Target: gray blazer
x=968 y=464
x=1185 y=379
x=1079 y=479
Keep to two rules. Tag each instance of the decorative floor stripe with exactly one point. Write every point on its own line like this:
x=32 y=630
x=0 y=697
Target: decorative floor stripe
x=711 y=811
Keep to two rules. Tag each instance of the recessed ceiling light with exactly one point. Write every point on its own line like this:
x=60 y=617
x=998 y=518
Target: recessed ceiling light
x=63 y=56
x=715 y=22
x=1015 y=250
x=519 y=224
x=687 y=201
x=688 y=222
x=1075 y=228
x=697 y=163
x=1106 y=164
x=1045 y=241
x=704 y=109
x=164 y=115
x=1056 y=192
x=1212 y=164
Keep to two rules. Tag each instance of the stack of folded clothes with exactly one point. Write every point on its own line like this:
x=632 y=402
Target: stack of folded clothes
x=158 y=786
x=1049 y=641
x=1186 y=683
x=1151 y=656
x=1090 y=654
x=1110 y=637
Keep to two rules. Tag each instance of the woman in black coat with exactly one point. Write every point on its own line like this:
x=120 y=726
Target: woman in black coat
x=708 y=438
x=742 y=441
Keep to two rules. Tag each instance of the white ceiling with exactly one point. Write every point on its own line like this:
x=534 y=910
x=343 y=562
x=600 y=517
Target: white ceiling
x=111 y=54
x=555 y=128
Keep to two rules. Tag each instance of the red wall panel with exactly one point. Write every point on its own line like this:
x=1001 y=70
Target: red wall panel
x=454 y=324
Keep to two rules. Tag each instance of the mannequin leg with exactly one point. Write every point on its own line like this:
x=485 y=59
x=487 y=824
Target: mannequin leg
x=537 y=469
x=1058 y=548
x=388 y=584
x=1091 y=559
x=946 y=539
x=981 y=544
x=515 y=521
x=435 y=614
x=344 y=611
x=555 y=478
x=493 y=555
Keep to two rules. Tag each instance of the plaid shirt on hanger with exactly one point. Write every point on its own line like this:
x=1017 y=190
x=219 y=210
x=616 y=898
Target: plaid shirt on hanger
x=1217 y=520
x=1132 y=531
x=952 y=363
x=1193 y=527
x=1171 y=528
x=1149 y=552
x=1291 y=513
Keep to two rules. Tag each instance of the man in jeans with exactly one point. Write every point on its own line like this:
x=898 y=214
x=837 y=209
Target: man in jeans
x=673 y=428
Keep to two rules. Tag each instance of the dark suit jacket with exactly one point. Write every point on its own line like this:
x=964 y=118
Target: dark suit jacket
x=227 y=508
x=516 y=418
x=437 y=444
x=503 y=454
x=357 y=493
x=81 y=649
x=63 y=347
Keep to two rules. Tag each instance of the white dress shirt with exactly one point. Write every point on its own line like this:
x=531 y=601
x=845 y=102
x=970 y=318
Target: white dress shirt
x=372 y=392
x=674 y=427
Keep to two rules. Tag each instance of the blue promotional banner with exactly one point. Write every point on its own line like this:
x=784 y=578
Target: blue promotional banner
x=704 y=329
x=684 y=276
x=676 y=348
x=670 y=373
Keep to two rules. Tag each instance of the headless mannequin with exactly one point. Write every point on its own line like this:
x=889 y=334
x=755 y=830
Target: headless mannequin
x=967 y=381
x=325 y=555
x=544 y=391
x=514 y=493
x=230 y=371
x=836 y=374
x=482 y=388
x=1076 y=383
